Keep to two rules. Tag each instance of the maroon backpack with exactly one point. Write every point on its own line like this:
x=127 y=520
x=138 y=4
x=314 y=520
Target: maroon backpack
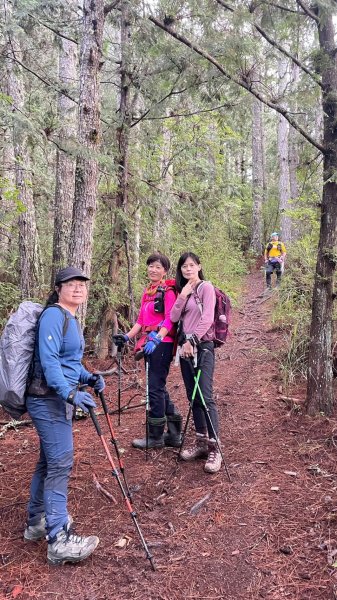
x=221 y=315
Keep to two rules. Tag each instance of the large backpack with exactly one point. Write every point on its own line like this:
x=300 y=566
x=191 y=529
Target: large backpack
x=221 y=315
x=16 y=355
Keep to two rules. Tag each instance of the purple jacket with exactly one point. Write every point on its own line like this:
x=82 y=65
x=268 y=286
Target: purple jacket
x=194 y=320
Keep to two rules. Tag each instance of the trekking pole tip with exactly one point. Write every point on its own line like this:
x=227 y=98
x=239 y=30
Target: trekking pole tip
x=153 y=566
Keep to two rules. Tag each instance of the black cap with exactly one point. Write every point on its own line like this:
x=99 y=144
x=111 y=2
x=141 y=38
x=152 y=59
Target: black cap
x=69 y=273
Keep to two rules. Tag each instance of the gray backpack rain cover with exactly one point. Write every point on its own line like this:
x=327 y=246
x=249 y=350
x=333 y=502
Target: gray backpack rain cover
x=16 y=354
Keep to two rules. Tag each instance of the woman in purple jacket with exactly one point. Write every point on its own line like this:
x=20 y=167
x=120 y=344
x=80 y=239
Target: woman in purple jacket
x=194 y=309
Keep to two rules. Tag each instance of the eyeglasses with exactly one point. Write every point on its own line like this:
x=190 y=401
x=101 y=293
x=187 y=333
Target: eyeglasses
x=72 y=285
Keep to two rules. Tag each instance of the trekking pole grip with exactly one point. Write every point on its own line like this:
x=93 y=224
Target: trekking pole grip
x=102 y=398
x=95 y=420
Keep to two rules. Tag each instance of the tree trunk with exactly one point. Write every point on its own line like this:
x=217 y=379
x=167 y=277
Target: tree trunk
x=30 y=265
x=257 y=176
x=293 y=157
x=65 y=162
x=283 y=157
x=320 y=396
x=8 y=209
x=163 y=216
x=86 y=174
x=119 y=234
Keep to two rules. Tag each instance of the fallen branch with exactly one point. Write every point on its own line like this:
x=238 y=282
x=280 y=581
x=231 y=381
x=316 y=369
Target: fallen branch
x=263 y=537
x=103 y=491
x=291 y=399
x=196 y=507
x=13 y=424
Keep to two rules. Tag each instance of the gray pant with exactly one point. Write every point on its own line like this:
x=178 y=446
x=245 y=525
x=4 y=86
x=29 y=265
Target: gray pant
x=206 y=365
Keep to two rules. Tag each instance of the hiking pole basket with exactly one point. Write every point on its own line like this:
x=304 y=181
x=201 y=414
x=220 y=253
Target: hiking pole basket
x=115 y=473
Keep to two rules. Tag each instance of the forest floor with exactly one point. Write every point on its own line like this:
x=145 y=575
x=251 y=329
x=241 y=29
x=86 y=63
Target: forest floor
x=270 y=533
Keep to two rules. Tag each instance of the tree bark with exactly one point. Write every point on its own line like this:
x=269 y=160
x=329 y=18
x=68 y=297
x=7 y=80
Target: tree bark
x=65 y=161
x=86 y=173
x=320 y=397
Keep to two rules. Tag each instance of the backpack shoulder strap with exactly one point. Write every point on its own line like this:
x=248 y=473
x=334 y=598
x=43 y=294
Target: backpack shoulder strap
x=65 y=314
x=197 y=297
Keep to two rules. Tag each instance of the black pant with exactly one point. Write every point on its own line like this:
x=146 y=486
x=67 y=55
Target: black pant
x=271 y=267
x=206 y=365
x=159 y=365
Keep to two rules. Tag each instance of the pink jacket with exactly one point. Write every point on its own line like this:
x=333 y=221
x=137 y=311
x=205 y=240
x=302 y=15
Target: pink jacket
x=194 y=320
x=148 y=318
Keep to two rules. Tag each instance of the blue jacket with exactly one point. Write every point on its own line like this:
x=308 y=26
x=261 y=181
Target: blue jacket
x=60 y=356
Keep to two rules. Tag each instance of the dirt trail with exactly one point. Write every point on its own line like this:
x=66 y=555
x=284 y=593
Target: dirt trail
x=268 y=534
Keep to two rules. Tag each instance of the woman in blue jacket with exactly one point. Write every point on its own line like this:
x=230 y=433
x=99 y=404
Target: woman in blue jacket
x=52 y=394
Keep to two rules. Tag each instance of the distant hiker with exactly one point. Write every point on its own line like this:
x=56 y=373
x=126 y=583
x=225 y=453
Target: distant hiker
x=157 y=341
x=274 y=256
x=52 y=394
x=194 y=309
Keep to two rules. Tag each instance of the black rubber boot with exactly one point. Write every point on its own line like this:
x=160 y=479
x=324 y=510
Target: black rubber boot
x=156 y=435
x=174 y=426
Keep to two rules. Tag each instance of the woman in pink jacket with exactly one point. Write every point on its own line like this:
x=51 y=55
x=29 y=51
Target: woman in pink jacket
x=155 y=325
x=194 y=309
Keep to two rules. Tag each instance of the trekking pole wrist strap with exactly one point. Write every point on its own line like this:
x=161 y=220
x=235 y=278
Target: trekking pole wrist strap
x=193 y=339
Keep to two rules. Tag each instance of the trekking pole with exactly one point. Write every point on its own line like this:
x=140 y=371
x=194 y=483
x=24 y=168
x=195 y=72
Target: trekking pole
x=119 y=366
x=115 y=473
x=206 y=409
x=147 y=406
x=114 y=443
x=189 y=412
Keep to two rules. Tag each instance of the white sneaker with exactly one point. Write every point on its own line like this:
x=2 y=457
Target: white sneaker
x=69 y=547
x=34 y=533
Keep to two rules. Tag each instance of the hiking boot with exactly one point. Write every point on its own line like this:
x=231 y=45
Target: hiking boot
x=197 y=450
x=156 y=435
x=214 y=460
x=173 y=436
x=69 y=547
x=34 y=533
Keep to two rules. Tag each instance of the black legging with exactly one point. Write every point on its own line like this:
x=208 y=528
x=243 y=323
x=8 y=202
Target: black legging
x=206 y=363
x=271 y=267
